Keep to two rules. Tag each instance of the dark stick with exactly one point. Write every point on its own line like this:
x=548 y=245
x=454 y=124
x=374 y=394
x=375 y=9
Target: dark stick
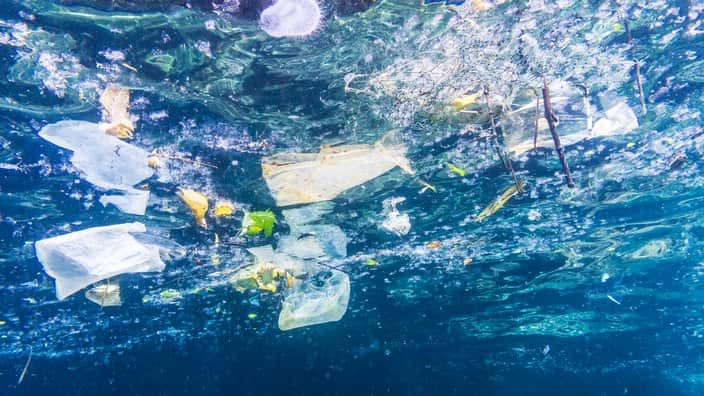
x=636 y=64
x=553 y=131
x=504 y=158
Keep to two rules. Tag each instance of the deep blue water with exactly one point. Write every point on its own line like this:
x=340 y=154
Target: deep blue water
x=587 y=291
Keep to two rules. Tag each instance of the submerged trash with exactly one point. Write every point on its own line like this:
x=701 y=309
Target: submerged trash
x=313 y=293
x=115 y=101
x=291 y=18
x=498 y=203
x=81 y=258
x=319 y=299
x=395 y=221
x=196 y=202
x=105 y=161
x=297 y=178
x=105 y=295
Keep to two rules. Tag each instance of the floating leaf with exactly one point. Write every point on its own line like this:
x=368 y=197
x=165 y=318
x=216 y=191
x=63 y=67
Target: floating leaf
x=455 y=169
x=371 y=262
x=498 y=202
x=170 y=294
x=251 y=315
x=223 y=209
x=197 y=202
x=433 y=245
x=466 y=100
x=255 y=222
x=115 y=101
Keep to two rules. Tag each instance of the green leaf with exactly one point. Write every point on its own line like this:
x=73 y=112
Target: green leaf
x=256 y=222
x=456 y=169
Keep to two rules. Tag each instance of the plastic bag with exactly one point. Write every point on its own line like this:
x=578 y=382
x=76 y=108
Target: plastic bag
x=103 y=160
x=81 y=258
x=319 y=299
x=297 y=178
x=395 y=221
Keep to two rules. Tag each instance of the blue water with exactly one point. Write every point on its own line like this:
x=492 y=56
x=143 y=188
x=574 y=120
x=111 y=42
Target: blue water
x=587 y=291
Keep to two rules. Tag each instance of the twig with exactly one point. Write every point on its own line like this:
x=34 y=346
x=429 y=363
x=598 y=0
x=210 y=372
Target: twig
x=26 y=366
x=502 y=155
x=636 y=64
x=553 y=131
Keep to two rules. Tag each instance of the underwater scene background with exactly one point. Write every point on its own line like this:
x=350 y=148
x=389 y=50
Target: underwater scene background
x=591 y=290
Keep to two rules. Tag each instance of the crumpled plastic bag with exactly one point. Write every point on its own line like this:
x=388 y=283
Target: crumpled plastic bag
x=395 y=221
x=313 y=293
x=319 y=299
x=298 y=178
x=81 y=258
x=618 y=119
x=103 y=160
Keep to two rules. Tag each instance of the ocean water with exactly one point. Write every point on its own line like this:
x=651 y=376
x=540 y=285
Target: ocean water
x=591 y=290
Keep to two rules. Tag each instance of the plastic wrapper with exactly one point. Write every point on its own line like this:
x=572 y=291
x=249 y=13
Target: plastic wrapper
x=319 y=299
x=81 y=258
x=105 y=295
x=297 y=178
x=103 y=160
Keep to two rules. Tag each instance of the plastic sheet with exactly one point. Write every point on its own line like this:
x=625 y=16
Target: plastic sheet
x=103 y=160
x=297 y=178
x=81 y=258
x=319 y=299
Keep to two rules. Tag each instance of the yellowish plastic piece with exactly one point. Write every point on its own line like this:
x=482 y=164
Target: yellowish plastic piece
x=498 y=202
x=197 y=202
x=115 y=101
x=223 y=209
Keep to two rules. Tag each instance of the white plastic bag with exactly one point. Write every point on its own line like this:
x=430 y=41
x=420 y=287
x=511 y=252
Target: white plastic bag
x=81 y=258
x=103 y=160
x=320 y=299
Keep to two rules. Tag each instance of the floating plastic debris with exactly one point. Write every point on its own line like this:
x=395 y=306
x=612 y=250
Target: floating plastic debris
x=615 y=301
x=291 y=18
x=394 y=221
x=104 y=160
x=196 y=202
x=297 y=178
x=107 y=295
x=81 y=258
x=320 y=299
